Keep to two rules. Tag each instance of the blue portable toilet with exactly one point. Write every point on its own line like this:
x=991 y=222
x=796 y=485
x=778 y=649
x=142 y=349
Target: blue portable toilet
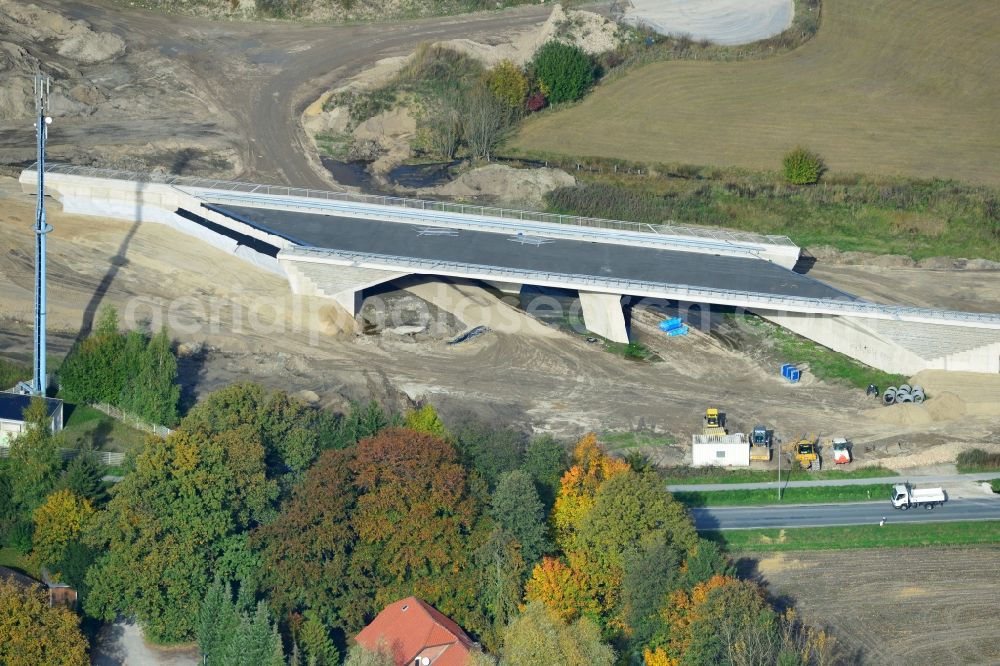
x=671 y=324
x=680 y=330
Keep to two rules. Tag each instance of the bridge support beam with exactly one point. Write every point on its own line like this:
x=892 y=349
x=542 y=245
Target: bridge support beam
x=342 y=284
x=603 y=314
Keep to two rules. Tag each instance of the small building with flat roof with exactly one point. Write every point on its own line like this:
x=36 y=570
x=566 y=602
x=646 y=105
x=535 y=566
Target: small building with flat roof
x=12 y=406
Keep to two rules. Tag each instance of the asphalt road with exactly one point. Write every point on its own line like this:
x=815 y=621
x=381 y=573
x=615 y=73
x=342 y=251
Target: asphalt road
x=570 y=257
x=825 y=515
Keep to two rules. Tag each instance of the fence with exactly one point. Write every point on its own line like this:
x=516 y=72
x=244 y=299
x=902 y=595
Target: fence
x=131 y=420
x=106 y=458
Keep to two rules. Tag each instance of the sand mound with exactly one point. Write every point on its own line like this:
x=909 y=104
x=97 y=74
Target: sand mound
x=76 y=40
x=504 y=184
x=944 y=406
x=721 y=21
x=979 y=392
x=591 y=32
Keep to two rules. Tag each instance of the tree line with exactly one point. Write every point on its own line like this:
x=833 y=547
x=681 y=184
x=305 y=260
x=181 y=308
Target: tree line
x=133 y=370
x=262 y=525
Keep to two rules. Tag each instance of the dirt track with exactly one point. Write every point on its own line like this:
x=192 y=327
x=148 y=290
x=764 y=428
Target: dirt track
x=897 y=606
x=233 y=90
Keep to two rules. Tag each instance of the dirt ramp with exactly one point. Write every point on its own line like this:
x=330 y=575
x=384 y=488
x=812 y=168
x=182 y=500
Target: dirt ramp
x=979 y=392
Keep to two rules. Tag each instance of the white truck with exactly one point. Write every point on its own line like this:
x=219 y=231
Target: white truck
x=904 y=496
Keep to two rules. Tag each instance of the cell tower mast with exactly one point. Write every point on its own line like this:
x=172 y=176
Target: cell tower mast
x=43 y=84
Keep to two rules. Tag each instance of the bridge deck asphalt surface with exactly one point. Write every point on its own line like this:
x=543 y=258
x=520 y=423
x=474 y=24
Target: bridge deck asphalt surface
x=550 y=255
x=829 y=515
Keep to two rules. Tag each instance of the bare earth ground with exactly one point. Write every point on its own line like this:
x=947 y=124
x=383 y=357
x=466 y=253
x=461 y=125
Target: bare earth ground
x=931 y=605
x=889 y=87
x=194 y=95
x=238 y=323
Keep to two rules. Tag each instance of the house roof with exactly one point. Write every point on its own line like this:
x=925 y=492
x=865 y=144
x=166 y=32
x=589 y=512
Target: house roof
x=12 y=405
x=18 y=578
x=412 y=629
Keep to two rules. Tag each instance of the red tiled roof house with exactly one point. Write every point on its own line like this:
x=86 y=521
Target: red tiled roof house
x=415 y=631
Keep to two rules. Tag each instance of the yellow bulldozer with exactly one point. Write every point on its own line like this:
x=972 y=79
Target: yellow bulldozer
x=805 y=451
x=714 y=422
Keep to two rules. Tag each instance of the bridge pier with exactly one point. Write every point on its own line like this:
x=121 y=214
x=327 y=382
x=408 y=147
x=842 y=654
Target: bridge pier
x=603 y=314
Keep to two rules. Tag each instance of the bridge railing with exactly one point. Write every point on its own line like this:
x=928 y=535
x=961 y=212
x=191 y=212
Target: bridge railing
x=669 y=229
x=626 y=286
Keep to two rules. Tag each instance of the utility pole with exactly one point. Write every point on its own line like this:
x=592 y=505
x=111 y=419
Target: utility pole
x=43 y=84
x=778 y=446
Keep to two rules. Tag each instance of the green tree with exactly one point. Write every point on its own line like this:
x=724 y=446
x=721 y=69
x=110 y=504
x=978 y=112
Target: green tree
x=285 y=426
x=170 y=522
x=508 y=83
x=360 y=421
x=316 y=642
x=32 y=632
x=83 y=477
x=705 y=560
x=516 y=509
x=734 y=626
x=501 y=571
x=802 y=167
x=155 y=391
x=650 y=574
x=73 y=566
x=255 y=641
x=538 y=638
x=416 y=522
x=426 y=420
x=217 y=622
x=305 y=550
x=631 y=511
x=94 y=370
x=58 y=523
x=545 y=459
x=565 y=71
x=361 y=656
x=35 y=461
x=489 y=450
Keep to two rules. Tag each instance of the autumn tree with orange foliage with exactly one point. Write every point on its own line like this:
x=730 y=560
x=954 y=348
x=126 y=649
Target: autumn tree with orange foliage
x=591 y=467
x=723 y=620
x=417 y=523
x=562 y=589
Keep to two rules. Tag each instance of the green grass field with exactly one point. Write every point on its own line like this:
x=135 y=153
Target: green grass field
x=858 y=536
x=88 y=425
x=895 y=87
x=824 y=363
x=809 y=495
x=698 y=475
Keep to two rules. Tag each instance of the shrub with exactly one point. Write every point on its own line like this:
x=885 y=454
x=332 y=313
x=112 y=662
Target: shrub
x=802 y=167
x=565 y=71
x=977 y=460
x=508 y=83
x=536 y=102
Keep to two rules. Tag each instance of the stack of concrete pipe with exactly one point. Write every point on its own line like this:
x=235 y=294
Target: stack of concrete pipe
x=905 y=393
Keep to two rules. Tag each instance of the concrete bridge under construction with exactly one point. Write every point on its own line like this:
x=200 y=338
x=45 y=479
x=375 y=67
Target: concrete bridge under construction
x=337 y=244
